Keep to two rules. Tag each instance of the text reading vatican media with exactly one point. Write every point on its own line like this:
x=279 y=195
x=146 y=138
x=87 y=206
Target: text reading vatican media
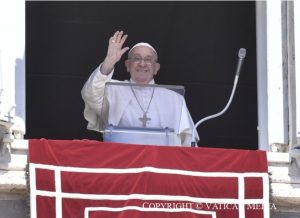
x=207 y=206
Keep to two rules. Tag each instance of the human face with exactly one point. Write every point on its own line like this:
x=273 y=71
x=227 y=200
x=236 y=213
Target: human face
x=142 y=64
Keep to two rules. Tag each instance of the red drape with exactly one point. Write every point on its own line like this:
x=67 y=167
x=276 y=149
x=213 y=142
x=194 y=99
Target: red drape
x=82 y=178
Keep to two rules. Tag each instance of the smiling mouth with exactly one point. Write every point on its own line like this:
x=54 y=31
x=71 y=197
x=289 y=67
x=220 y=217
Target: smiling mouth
x=142 y=71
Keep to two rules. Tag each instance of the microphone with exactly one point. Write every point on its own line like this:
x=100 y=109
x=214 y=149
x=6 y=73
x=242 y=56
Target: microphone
x=241 y=55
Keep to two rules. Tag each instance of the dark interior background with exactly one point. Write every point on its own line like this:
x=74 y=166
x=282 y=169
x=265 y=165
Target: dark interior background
x=197 y=43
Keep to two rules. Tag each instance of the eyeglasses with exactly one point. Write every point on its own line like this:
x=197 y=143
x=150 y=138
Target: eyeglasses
x=147 y=60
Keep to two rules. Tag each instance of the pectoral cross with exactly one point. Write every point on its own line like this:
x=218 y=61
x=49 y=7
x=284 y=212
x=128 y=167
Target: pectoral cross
x=144 y=119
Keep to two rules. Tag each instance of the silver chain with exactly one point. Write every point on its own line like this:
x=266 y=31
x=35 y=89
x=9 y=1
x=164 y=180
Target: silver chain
x=139 y=102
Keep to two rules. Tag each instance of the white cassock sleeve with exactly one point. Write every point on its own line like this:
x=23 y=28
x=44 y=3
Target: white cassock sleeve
x=92 y=94
x=186 y=127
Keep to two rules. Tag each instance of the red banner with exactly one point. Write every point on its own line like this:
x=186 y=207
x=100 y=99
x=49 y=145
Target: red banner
x=80 y=178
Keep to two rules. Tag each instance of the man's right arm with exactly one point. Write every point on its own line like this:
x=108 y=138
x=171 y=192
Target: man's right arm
x=93 y=91
x=93 y=95
x=107 y=66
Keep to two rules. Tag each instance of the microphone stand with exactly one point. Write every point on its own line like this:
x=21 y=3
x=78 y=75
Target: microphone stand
x=242 y=54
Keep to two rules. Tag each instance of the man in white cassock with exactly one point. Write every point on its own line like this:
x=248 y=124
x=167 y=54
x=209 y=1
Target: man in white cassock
x=134 y=106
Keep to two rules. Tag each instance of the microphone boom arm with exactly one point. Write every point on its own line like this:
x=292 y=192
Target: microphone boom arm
x=242 y=54
x=217 y=114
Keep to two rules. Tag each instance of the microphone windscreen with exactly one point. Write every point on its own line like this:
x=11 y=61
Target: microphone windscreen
x=242 y=53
